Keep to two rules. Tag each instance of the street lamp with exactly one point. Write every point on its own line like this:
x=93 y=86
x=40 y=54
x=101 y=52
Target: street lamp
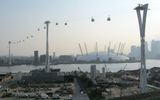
x=9 y=60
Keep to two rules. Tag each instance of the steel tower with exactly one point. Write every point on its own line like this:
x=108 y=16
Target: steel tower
x=142 y=23
x=47 y=48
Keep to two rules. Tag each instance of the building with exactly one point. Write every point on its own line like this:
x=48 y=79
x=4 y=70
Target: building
x=42 y=59
x=155 y=49
x=36 y=58
x=146 y=48
x=3 y=60
x=93 y=71
x=18 y=76
x=154 y=53
x=40 y=76
x=102 y=57
x=135 y=52
x=21 y=60
x=66 y=58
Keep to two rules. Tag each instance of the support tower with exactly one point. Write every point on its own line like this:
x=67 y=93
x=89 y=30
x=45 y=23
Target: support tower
x=47 y=48
x=142 y=9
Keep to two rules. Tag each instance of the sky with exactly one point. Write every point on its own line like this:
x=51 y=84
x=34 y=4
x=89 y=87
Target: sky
x=22 y=18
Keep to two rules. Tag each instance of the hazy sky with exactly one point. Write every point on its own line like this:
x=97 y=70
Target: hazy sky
x=22 y=18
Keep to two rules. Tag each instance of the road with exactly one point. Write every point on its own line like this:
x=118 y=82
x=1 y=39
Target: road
x=77 y=95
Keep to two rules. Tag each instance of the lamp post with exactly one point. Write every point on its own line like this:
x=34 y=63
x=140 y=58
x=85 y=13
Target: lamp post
x=47 y=69
x=142 y=24
x=9 y=60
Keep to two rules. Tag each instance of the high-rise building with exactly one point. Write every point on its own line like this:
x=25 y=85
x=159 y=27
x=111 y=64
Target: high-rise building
x=155 y=48
x=36 y=58
x=135 y=52
x=147 y=52
x=146 y=48
x=42 y=59
x=93 y=72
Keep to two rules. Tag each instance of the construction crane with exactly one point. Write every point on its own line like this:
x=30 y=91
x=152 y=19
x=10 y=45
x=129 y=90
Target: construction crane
x=122 y=49
x=80 y=49
x=86 y=48
x=81 y=73
x=124 y=67
x=105 y=48
x=109 y=48
x=114 y=48
x=79 y=69
x=118 y=48
x=96 y=49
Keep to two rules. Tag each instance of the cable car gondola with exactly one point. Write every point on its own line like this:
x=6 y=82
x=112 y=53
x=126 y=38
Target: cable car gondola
x=92 y=19
x=109 y=19
x=65 y=23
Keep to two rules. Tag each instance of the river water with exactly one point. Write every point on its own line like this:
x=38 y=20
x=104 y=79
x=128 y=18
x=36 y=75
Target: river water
x=73 y=67
x=84 y=67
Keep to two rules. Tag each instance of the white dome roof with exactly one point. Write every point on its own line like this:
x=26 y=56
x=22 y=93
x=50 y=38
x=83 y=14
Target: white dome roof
x=103 y=56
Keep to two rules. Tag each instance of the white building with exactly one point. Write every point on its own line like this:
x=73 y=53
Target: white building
x=155 y=49
x=103 y=56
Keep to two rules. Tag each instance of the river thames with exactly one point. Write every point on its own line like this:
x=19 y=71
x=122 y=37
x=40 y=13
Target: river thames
x=84 y=67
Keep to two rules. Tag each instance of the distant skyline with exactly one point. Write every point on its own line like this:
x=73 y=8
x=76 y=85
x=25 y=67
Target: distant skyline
x=22 y=18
